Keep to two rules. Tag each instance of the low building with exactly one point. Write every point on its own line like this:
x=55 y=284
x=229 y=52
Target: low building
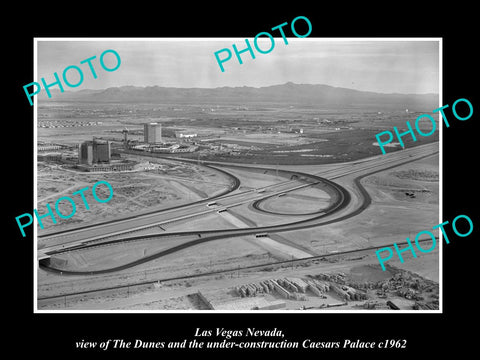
x=107 y=167
x=176 y=148
x=186 y=135
x=211 y=300
x=49 y=157
x=48 y=147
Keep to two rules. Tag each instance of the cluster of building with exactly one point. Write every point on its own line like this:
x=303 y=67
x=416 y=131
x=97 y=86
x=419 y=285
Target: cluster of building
x=55 y=157
x=186 y=136
x=296 y=288
x=258 y=295
x=154 y=143
x=123 y=166
x=409 y=286
x=286 y=288
x=253 y=296
x=65 y=124
x=338 y=285
x=96 y=155
x=55 y=153
x=41 y=147
x=423 y=292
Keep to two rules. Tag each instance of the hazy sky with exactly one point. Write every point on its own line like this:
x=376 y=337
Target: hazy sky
x=381 y=66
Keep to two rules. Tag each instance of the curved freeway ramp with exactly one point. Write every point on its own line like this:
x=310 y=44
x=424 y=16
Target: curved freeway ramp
x=343 y=198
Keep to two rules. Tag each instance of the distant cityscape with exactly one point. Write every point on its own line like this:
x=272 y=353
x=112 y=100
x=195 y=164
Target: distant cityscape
x=103 y=155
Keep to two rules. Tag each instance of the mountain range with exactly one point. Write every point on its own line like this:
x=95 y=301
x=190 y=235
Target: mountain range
x=288 y=93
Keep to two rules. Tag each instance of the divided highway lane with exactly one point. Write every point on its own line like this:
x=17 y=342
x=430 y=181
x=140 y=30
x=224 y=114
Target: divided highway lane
x=72 y=233
x=78 y=234
x=154 y=220
x=102 y=231
x=206 y=236
x=67 y=239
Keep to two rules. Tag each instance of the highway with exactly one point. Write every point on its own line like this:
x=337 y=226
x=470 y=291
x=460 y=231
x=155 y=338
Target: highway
x=360 y=169
x=104 y=231
x=73 y=233
x=166 y=216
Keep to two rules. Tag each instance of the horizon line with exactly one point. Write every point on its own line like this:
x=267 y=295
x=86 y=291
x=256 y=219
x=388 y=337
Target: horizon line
x=246 y=86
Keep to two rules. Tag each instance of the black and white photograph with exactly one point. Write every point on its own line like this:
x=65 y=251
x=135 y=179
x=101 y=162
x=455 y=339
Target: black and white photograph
x=176 y=186
x=239 y=182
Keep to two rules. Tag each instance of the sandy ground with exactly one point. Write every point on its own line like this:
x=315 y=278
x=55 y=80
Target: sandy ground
x=293 y=252
x=133 y=192
x=391 y=218
x=300 y=201
x=360 y=267
x=219 y=254
x=277 y=139
x=256 y=180
x=388 y=219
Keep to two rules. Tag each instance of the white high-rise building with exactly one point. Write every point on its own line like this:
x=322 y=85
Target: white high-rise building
x=152 y=133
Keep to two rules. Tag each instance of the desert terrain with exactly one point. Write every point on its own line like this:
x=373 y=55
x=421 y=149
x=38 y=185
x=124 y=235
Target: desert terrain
x=272 y=193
